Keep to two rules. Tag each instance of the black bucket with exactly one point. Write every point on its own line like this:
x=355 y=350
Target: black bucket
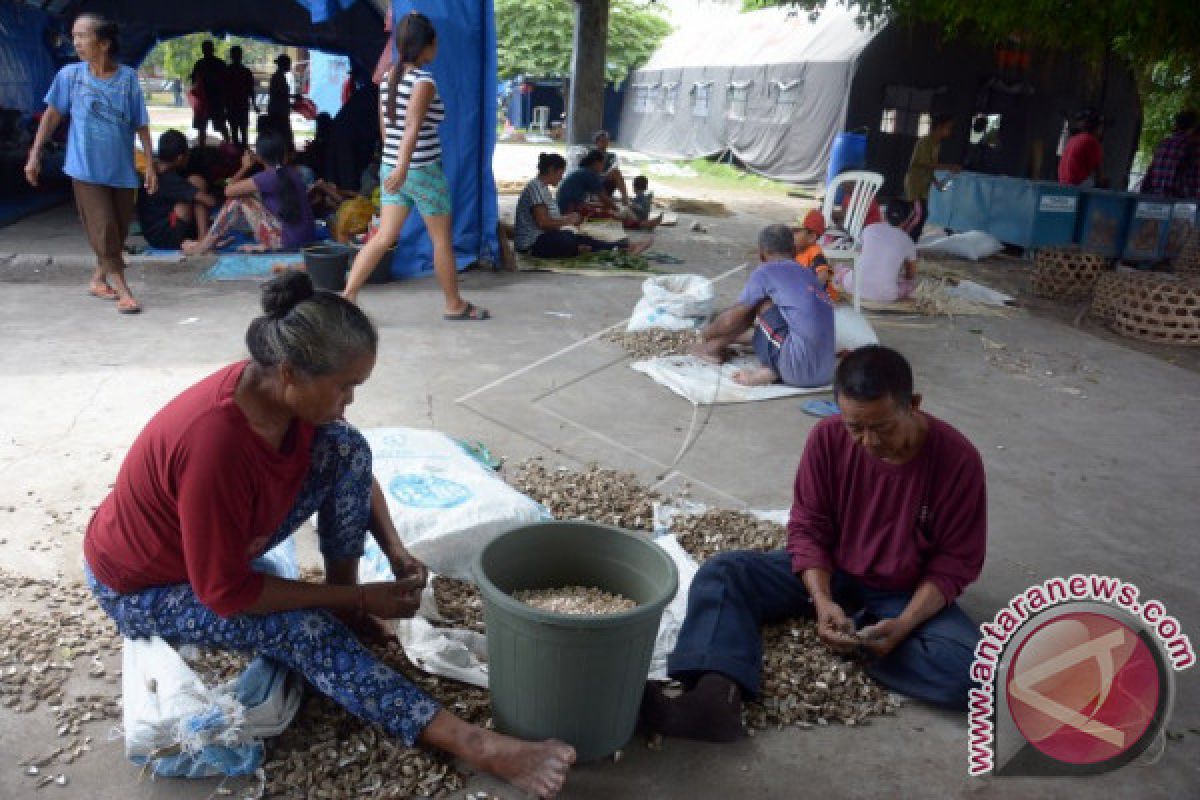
x=383 y=270
x=327 y=265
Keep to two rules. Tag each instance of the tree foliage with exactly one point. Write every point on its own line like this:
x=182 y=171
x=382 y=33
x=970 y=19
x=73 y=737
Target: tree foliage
x=1143 y=30
x=1160 y=39
x=534 y=37
x=175 y=58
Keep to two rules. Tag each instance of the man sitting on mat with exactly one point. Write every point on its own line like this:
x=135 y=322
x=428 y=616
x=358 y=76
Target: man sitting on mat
x=888 y=526
x=784 y=312
x=180 y=210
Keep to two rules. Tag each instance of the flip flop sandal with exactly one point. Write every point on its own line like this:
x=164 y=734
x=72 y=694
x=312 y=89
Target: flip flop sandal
x=469 y=314
x=111 y=294
x=130 y=307
x=820 y=408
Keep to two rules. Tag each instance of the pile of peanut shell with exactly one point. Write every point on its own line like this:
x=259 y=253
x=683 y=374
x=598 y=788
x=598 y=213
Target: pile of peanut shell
x=654 y=343
x=54 y=632
x=595 y=494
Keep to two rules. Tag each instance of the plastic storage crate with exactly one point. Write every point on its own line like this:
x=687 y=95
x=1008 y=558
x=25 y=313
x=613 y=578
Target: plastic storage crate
x=1104 y=221
x=1185 y=219
x=1148 y=229
x=1032 y=214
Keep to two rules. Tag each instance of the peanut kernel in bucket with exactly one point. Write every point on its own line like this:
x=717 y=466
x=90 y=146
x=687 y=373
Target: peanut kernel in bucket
x=580 y=600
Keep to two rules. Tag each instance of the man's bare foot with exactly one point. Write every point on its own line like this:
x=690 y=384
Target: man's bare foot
x=759 y=376
x=637 y=248
x=539 y=768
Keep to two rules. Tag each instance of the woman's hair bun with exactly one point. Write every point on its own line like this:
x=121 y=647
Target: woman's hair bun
x=286 y=291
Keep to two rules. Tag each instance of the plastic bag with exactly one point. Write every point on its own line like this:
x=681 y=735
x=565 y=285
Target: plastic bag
x=446 y=505
x=352 y=217
x=674 y=302
x=851 y=330
x=183 y=728
x=973 y=245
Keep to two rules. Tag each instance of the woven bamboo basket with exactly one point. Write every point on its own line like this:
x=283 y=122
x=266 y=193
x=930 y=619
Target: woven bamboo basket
x=1160 y=308
x=1066 y=273
x=1110 y=288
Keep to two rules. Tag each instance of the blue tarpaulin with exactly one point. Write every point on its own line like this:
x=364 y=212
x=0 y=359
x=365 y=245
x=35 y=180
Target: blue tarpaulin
x=465 y=70
x=26 y=66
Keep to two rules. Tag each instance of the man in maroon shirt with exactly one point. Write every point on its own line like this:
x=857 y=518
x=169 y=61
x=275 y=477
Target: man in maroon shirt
x=1082 y=162
x=888 y=526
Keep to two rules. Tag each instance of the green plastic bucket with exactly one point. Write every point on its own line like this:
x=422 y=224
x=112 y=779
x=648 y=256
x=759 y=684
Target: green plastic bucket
x=574 y=678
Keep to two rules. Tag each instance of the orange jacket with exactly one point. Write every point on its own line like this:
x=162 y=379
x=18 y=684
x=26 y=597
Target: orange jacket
x=813 y=257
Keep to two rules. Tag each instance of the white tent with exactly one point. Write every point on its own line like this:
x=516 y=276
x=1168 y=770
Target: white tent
x=771 y=86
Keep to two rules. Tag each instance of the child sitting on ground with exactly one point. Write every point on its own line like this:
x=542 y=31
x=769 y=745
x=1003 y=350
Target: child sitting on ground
x=641 y=205
x=179 y=210
x=809 y=253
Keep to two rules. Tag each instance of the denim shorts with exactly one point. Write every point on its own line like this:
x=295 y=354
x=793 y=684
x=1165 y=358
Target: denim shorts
x=425 y=188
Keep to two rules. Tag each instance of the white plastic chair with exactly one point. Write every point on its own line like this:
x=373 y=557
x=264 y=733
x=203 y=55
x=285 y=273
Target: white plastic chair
x=541 y=119
x=866 y=186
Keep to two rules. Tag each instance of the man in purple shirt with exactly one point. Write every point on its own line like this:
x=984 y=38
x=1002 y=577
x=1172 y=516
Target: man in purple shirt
x=1175 y=169
x=888 y=526
x=784 y=312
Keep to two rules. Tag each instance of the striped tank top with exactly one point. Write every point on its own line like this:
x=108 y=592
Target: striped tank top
x=429 y=143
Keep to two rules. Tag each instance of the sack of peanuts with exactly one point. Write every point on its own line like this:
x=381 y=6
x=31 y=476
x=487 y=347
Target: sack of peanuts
x=673 y=302
x=446 y=505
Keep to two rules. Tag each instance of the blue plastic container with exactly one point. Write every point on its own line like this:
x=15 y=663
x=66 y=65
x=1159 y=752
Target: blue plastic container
x=963 y=205
x=1033 y=214
x=1185 y=219
x=849 y=152
x=1104 y=221
x=1149 y=226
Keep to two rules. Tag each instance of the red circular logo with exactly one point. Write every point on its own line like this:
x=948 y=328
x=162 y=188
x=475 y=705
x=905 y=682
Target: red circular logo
x=1083 y=688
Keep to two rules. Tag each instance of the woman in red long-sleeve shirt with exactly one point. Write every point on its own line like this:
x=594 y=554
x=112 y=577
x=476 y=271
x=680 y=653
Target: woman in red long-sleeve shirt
x=230 y=469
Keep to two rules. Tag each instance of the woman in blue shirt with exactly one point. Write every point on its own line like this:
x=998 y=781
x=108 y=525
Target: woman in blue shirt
x=106 y=108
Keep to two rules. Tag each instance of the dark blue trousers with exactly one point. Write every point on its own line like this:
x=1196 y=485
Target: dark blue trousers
x=735 y=594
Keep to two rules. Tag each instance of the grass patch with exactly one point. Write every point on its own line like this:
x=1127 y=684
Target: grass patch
x=730 y=177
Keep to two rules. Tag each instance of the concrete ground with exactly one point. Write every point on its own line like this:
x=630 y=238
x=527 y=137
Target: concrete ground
x=1091 y=448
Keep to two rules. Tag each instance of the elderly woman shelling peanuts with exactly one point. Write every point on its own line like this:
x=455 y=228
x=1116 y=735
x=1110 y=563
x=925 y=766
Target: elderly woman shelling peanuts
x=230 y=469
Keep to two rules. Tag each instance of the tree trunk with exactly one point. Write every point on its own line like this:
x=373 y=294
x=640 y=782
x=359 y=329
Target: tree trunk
x=585 y=109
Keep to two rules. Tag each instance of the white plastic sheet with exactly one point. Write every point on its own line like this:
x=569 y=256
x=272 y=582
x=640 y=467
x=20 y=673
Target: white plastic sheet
x=704 y=383
x=978 y=293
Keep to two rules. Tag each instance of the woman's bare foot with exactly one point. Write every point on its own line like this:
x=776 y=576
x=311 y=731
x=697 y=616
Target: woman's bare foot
x=759 y=376
x=194 y=247
x=539 y=768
